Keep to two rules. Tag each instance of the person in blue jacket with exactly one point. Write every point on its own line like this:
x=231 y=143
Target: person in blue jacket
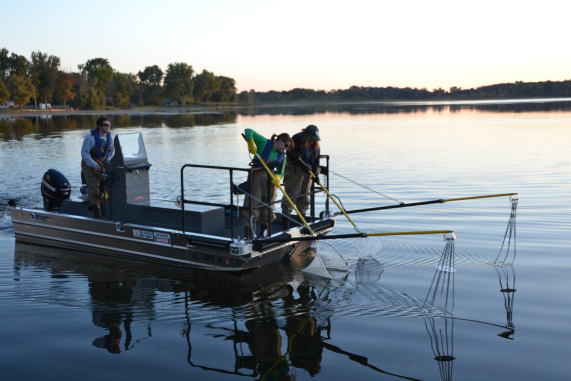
x=97 y=149
x=272 y=151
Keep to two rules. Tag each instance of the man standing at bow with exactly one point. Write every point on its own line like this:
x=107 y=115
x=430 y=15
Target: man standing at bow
x=97 y=150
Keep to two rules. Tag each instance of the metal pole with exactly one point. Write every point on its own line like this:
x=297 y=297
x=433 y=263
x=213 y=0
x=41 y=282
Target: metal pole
x=250 y=177
x=231 y=207
x=327 y=200
x=269 y=195
x=182 y=196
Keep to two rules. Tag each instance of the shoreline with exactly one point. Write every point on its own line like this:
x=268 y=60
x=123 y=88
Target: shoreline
x=4 y=114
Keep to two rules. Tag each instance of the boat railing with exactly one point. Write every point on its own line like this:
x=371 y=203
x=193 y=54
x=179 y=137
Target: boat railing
x=231 y=186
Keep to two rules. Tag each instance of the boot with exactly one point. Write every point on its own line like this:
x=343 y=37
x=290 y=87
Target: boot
x=96 y=212
x=285 y=223
x=264 y=231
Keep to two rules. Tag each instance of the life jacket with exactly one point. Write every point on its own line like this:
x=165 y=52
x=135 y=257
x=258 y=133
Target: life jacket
x=98 y=151
x=266 y=154
x=305 y=153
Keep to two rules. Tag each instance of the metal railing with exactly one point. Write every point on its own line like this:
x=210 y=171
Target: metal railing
x=231 y=171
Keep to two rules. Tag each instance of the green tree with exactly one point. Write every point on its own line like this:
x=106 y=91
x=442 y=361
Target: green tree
x=99 y=77
x=123 y=88
x=4 y=65
x=205 y=84
x=246 y=98
x=44 y=71
x=91 y=99
x=227 y=90
x=151 y=76
x=96 y=63
x=178 y=82
x=154 y=95
x=4 y=94
x=12 y=65
x=150 y=90
x=21 y=89
x=19 y=65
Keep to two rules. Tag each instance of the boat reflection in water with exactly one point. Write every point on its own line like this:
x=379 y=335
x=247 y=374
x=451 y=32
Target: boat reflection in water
x=277 y=318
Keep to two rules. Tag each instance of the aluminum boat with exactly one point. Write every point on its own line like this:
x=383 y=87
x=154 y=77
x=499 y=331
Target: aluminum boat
x=179 y=232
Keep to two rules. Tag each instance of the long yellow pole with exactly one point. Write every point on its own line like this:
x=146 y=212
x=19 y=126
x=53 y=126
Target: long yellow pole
x=411 y=233
x=475 y=197
x=339 y=206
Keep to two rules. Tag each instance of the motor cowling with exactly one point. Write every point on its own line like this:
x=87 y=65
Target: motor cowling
x=55 y=189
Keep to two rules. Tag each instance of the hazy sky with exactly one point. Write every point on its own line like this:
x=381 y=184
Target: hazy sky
x=280 y=45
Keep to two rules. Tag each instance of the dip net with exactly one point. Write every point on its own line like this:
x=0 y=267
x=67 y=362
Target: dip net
x=328 y=262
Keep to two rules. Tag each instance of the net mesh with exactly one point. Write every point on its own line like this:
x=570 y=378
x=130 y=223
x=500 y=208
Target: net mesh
x=328 y=262
x=370 y=247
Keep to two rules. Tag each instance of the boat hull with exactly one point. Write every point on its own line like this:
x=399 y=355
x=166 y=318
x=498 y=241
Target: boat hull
x=146 y=243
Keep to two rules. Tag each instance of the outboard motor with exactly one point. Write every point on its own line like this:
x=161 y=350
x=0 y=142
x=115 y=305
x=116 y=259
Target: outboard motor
x=55 y=189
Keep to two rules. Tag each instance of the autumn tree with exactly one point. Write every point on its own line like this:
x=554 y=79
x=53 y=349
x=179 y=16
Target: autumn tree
x=64 y=86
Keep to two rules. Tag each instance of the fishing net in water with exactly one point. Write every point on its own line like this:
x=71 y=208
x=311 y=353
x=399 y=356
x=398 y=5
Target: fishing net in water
x=509 y=237
x=369 y=247
x=328 y=261
x=443 y=281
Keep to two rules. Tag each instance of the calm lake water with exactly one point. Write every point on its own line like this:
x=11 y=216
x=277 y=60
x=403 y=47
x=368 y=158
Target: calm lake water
x=67 y=315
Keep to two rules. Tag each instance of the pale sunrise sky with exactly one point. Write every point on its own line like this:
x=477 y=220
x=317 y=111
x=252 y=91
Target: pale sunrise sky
x=323 y=45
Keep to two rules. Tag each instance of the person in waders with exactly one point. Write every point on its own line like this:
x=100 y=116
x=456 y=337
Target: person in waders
x=272 y=151
x=302 y=157
x=96 y=151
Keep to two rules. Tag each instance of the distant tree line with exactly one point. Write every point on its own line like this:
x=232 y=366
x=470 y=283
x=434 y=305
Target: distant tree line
x=518 y=89
x=97 y=84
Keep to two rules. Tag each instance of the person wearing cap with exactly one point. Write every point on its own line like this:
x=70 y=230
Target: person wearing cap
x=272 y=152
x=302 y=156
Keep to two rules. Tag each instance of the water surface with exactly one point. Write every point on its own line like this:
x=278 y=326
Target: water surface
x=69 y=315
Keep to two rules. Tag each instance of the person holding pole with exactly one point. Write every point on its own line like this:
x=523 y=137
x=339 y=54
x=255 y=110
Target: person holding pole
x=302 y=157
x=272 y=152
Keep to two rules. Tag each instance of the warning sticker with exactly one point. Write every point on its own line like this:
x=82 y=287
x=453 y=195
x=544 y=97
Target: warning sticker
x=142 y=234
x=163 y=238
